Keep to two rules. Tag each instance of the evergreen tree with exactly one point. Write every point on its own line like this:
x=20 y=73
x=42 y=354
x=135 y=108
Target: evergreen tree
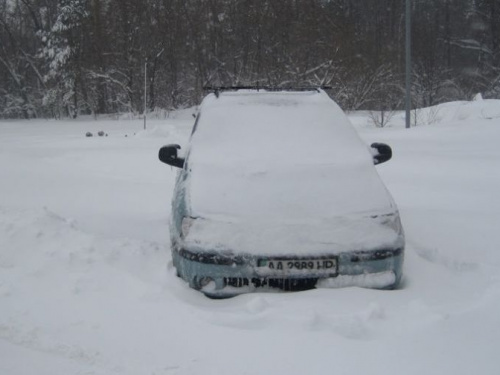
x=62 y=53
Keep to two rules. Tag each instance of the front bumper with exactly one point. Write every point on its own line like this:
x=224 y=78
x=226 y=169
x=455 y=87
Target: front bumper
x=219 y=275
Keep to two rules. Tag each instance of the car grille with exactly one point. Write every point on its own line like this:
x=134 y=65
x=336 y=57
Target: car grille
x=283 y=284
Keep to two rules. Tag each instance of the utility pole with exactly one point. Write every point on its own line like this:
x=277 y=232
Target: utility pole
x=145 y=89
x=408 y=63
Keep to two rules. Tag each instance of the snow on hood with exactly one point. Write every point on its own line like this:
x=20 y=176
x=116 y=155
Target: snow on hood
x=315 y=237
x=285 y=166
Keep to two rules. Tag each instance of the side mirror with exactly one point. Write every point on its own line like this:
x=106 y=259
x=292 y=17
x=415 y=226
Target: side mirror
x=168 y=155
x=381 y=152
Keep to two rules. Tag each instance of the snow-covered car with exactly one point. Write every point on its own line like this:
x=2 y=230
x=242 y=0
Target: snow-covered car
x=276 y=191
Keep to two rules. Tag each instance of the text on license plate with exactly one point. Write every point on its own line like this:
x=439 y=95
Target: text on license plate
x=328 y=265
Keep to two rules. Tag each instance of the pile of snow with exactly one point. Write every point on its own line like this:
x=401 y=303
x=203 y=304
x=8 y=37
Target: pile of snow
x=466 y=112
x=458 y=111
x=87 y=287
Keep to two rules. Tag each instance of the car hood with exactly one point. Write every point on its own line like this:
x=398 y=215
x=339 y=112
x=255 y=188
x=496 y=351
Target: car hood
x=361 y=232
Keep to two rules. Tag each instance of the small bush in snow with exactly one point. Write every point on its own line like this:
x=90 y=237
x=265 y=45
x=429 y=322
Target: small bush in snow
x=381 y=118
x=89 y=134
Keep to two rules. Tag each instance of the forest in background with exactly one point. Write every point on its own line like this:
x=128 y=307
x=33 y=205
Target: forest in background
x=65 y=58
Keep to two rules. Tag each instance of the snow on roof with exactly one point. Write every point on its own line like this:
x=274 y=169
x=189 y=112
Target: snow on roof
x=281 y=127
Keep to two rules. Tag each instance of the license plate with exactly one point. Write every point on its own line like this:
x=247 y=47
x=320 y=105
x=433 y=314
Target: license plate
x=323 y=266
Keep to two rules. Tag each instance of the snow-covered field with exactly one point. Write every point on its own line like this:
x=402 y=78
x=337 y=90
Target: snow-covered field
x=86 y=285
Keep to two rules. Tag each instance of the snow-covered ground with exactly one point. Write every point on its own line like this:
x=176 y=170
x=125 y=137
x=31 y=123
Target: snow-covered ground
x=86 y=285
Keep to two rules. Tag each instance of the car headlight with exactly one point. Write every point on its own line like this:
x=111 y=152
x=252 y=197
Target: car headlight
x=186 y=224
x=393 y=221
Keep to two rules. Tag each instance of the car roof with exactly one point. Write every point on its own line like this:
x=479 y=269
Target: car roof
x=272 y=127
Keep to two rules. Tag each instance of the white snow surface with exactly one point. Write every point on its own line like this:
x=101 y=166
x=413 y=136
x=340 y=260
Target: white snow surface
x=87 y=286
x=283 y=173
